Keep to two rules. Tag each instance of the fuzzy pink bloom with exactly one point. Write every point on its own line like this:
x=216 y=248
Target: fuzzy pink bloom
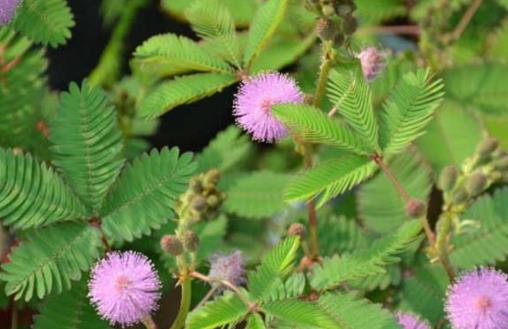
x=372 y=61
x=227 y=268
x=409 y=321
x=479 y=300
x=7 y=10
x=124 y=287
x=254 y=102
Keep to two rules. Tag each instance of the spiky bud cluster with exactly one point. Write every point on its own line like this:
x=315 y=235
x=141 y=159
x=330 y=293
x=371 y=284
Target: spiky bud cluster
x=202 y=199
x=337 y=22
x=190 y=241
x=489 y=164
x=172 y=245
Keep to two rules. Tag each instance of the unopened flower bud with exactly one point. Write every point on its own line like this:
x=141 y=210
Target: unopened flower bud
x=213 y=201
x=191 y=241
x=211 y=179
x=199 y=203
x=297 y=229
x=416 y=208
x=328 y=10
x=372 y=61
x=325 y=29
x=502 y=163
x=476 y=183
x=459 y=196
x=195 y=185
x=171 y=244
x=448 y=178
x=345 y=9
x=487 y=147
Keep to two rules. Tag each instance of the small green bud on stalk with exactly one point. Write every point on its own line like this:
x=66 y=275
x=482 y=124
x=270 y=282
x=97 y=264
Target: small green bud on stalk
x=448 y=178
x=172 y=245
x=211 y=179
x=213 y=201
x=190 y=241
x=476 y=183
x=325 y=29
x=328 y=10
x=459 y=196
x=199 y=203
x=416 y=208
x=297 y=229
x=487 y=147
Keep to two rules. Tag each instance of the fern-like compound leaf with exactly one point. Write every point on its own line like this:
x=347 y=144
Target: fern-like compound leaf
x=172 y=54
x=228 y=149
x=301 y=314
x=183 y=90
x=21 y=90
x=264 y=24
x=47 y=22
x=87 y=143
x=330 y=178
x=213 y=22
x=276 y=264
x=356 y=313
x=227 y=310
x=475 y=246
x=337 y=270
x=255 y=321
x=451 y=137
x=257 y=196
x=70 y=310
x=50 y=259
x=312 y=125
x=351 y=96
x=408 y=110
x=145 y=194
x=32 y=194
x=380 y=206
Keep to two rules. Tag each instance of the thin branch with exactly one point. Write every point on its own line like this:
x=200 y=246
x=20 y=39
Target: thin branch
x=464 y=22
x=149 y=322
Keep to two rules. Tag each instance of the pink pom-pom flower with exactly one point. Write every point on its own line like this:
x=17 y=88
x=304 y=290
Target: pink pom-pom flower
x=124 y=287
x=254 y=101
x=479 y=300
x=227 y=268
x=409 y=321
x=372 y=61
x=7 y=10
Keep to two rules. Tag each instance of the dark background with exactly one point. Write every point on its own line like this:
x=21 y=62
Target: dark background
x=189 y=127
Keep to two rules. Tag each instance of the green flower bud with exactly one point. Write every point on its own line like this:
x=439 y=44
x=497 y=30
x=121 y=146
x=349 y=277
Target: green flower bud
x=328 y=10
x=199 y=203
x=325 y=29
x=195 y=185
x=502 y=163
x=213 y=201
x=416 y=208
x=459 y=196
x=487 y=147
x=448 y=178
x=211 y=179
x=297 y=229
x=476 y=183
x=171 y=244
x=191 y=241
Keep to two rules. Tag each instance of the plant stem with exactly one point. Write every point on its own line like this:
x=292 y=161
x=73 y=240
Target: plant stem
x=464 y=22
x=108 y=69
x=235 y=289
x=324 y=70
x=14 y=315
x=442 y=246
x=149 y=322
x=378 y=159
x=185 y=302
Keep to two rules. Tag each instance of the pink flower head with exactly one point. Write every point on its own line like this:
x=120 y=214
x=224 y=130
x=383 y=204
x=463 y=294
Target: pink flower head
x=124 y=287
x=254 y=102
x=7 y=10
x=372 y=61
x=409 y=321
x=227 y=268
x=479 y=300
